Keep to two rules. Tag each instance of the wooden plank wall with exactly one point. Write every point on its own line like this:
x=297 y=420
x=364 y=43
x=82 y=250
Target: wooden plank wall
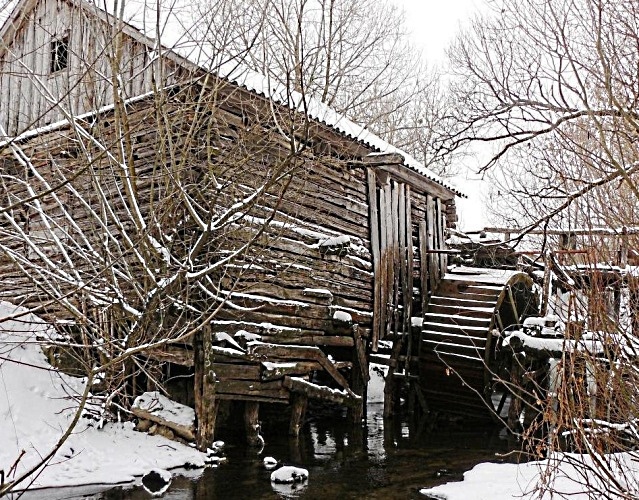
x=28 y=89
x=407 y=230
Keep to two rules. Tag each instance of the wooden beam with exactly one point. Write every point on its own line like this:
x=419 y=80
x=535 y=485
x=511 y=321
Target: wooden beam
x=423 y=265
x=252 y=423
x=299 y=402
x=418 y=181
x=205 y=391
x=323 y=393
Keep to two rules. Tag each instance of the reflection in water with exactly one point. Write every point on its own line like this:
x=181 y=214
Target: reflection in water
x=376 y=461
x=382 y=460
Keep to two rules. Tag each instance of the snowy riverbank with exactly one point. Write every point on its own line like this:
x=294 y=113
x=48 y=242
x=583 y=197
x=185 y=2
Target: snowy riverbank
x=37 y=407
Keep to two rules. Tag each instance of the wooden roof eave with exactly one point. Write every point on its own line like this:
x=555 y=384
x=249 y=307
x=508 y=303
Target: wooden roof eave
x=393 y=164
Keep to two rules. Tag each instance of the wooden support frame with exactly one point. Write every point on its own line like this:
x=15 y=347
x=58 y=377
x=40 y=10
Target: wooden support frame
x=205 y=399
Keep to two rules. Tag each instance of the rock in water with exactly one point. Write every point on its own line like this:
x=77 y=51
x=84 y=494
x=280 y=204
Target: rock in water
x=289 y=474
x=157 y=481
x=270 y=463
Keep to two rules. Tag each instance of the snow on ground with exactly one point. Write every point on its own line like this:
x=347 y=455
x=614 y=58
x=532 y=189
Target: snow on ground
x=36 y=409
x=566 y=473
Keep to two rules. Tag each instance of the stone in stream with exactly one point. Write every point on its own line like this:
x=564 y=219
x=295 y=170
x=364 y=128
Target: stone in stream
x=157 y=481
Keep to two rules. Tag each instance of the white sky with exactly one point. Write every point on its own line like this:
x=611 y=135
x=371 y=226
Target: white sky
x=433 y=25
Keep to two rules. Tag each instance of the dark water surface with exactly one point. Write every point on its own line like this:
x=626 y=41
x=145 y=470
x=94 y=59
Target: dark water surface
x=343 y=463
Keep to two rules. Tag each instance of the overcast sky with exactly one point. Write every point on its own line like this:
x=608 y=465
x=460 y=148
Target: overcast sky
x=433 y=25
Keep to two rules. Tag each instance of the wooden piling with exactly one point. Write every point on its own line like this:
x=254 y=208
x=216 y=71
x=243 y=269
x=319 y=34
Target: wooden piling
x=205 y=380
x=252 y=423
x=299 y=402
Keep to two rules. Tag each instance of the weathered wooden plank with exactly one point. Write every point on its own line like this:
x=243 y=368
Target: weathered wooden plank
x=408 y=282
x=312 y=340
x=390 y=256
x=252 y=388
x=433 y=278
x=185 y=432
x=441 y=238
x=301 y=352
x=374 y=226
x=314 y=391
x=299 y=402
x=252 y=423
x=224 y=371
x=423 y=265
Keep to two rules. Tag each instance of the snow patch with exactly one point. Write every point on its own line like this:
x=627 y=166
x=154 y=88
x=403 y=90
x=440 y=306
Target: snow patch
x=289 y=474
x=37 y=409
x=342 y=316
x=164 y=408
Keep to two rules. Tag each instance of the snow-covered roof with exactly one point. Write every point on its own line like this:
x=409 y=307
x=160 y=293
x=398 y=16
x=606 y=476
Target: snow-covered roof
x=177 y=26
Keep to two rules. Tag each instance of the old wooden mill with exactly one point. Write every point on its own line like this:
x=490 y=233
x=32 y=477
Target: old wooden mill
x=353 y=255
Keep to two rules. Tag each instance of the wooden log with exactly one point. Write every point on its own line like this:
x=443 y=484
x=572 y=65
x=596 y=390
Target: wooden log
x=423 y=266
x=299 y=403
x=183 y=431
x=272 y=390
x=301 y=352
x=252 y=423
x=198 y=363
x=375 y=250
x=311 y=340
x=323 y=393
x=273 y=370
x=207 y=403
x=237 y=371
x=359 y=377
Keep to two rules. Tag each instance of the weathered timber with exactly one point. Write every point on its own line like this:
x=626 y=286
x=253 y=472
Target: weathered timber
x=205 y=390
x=272 y=390
x=301 y=352
x=374 y=225
x=299 y=403
x=183 y=431
x=252 y=423
x=314 y=391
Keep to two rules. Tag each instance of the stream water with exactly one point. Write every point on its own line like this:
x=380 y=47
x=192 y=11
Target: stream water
x=373 y=462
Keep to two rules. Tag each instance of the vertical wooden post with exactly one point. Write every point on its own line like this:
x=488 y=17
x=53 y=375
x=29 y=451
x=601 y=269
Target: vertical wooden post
x=516 y=390
x=252 y=423
x=408 y=280
x=299 y=403
x=375 y=250
x=360 y=377
x=388 y=257
x=423 y=265
x=205 y=403
x=383 y=263
x=433 y=279
x=396 y=248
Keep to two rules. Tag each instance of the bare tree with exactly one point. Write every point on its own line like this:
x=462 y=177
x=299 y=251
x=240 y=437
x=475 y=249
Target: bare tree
x=551 y=87
x=353 y=56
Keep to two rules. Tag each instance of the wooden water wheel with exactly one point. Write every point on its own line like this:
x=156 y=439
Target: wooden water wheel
x=461 y=334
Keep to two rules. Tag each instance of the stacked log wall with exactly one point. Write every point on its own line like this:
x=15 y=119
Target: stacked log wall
x=295 y=286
